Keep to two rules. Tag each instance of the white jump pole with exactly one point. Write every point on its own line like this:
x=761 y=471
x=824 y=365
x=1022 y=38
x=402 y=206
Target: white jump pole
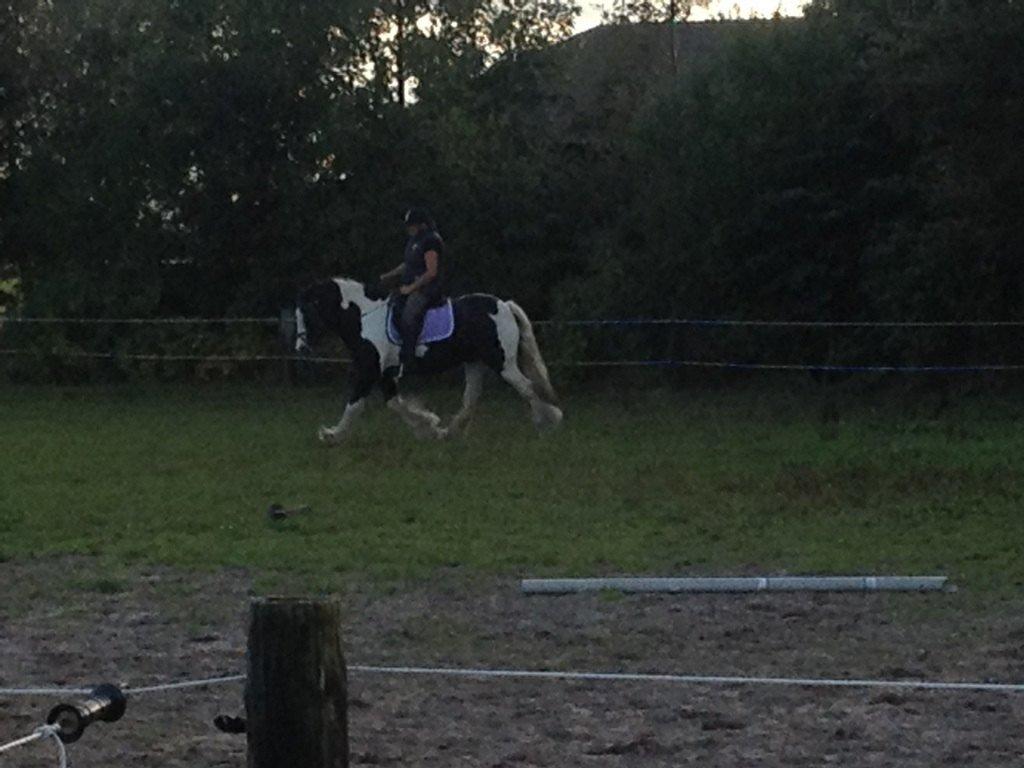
x=739 y=584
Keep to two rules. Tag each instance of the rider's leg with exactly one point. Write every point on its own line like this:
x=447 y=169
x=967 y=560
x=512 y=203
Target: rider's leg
x=413 y=312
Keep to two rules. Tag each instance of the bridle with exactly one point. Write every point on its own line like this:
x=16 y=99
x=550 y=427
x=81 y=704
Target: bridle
x=302 y=334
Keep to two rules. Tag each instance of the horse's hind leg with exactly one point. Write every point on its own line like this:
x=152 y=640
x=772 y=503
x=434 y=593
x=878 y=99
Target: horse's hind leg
x=470 y=397
x=424 y=423
x=544 y=414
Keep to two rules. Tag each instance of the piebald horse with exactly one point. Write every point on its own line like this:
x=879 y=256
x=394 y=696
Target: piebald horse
x=488 y=333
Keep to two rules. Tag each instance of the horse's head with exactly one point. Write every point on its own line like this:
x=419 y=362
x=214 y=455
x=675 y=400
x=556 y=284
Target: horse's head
x=317 y=311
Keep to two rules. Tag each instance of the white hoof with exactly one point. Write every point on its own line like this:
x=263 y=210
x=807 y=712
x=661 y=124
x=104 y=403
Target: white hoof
x=429 y=432
x=328 y=435
x=546 y=417
x=556 y=416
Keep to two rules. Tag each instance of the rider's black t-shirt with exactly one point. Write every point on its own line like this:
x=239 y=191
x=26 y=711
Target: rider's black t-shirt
x=415 y=263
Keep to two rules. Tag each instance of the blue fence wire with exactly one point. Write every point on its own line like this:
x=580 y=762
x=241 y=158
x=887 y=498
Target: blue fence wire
x=875 y=368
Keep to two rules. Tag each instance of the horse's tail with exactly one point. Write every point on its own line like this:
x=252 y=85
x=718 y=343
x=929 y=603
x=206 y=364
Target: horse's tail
x=530 y=360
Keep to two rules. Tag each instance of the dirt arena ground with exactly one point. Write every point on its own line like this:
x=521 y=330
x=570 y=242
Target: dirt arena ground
x=61 y=625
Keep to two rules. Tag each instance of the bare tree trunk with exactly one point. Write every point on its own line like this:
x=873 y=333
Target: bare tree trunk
x=672 y=35
x=400 y=53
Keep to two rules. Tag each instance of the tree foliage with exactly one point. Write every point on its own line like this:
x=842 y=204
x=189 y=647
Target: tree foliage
x=207 y=157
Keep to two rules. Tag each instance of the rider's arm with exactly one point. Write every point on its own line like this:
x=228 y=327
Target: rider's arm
x=431 y=259
x=396 y=272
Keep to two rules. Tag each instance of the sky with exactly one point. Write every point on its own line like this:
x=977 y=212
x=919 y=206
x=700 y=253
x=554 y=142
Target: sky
x=730 y=8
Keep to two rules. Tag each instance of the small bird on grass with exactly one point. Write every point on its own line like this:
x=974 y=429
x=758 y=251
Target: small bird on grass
x=278 y=512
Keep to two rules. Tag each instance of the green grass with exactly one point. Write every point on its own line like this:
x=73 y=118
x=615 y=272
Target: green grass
x=653 y=483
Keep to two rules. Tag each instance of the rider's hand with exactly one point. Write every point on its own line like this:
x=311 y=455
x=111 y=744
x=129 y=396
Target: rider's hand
x=405 y=290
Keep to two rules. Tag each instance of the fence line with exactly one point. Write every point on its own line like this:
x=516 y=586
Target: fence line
x=789 y=323
x=200 y=683
x=583 y=322
x=139 y=320
x=155 y=358
x=691 y=679
x=86 y=716
x=580 y=676
x=878 y=368
x=822 y=367
x=724 y=365
x=132 y=690
x=42 y=732
x=44 y=691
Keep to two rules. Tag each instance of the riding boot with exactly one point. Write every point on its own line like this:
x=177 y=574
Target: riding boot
x=413 y=311
x=406 y=355
x=408 y=350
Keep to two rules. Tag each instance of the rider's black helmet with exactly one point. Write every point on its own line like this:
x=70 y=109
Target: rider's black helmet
x=416 y=217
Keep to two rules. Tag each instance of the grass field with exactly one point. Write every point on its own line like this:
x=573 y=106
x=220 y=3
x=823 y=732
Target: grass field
x=639 y=482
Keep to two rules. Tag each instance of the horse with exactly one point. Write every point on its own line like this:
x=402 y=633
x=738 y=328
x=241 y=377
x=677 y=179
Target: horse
x=488 y=333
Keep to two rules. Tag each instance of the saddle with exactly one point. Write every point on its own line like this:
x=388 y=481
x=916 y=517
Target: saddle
x=438 y=325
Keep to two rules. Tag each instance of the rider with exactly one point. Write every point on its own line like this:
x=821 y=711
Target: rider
x=422 y=279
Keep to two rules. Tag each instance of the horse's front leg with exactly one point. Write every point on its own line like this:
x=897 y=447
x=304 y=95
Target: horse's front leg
x=424 y=423
x=470 y=396
x=333 y=435
x=361 y=389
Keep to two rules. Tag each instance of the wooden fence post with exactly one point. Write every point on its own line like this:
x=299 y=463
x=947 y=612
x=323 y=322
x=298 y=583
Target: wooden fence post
x=286 y=335
x=296 y=696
